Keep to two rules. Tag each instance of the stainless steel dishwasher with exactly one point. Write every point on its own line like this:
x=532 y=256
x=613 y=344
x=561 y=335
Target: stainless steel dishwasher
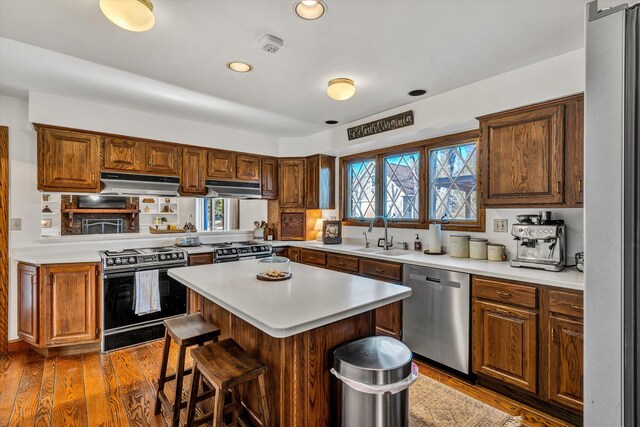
x=435 y=321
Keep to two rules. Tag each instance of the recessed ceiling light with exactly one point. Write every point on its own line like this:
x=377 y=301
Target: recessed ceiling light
x=239 y=67
x=132 y=15
x=331 y=122
x=310 y=9
x=417 y=92
x=341 y=89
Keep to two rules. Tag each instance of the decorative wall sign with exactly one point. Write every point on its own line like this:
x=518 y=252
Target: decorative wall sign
x=383 y=125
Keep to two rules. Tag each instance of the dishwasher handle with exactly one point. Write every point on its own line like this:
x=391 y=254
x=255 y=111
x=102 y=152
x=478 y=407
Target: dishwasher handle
x=430 y=279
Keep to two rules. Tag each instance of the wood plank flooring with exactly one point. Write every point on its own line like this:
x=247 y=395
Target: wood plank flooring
x=118 y=389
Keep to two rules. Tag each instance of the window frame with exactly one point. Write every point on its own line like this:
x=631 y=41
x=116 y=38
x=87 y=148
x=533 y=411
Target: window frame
x=422 y=147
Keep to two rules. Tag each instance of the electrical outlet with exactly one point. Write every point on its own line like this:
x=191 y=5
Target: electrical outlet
x=500 y=225
x=15 y=224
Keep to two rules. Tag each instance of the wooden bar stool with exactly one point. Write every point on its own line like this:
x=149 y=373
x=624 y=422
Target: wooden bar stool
x=225 y=365
x=186 y=331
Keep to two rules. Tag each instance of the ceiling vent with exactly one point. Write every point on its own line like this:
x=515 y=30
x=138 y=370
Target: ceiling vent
x=270 y=43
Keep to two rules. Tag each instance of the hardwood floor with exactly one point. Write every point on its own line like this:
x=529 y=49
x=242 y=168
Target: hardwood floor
x=118 y=389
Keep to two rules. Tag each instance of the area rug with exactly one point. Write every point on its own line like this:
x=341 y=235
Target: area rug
x=433 y=404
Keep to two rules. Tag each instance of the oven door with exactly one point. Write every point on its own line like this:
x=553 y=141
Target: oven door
x=118 y=299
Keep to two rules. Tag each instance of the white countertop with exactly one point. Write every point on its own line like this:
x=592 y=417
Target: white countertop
x=61 y=257
x=313 y=297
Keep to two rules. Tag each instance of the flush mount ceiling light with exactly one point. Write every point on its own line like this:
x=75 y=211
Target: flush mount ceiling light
x=239 y=67
x=417 y=92
x=341 y=89
x=310 y=9
x=132 y=15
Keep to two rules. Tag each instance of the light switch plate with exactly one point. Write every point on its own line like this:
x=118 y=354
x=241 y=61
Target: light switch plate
x=15 y=224
x=500 y=225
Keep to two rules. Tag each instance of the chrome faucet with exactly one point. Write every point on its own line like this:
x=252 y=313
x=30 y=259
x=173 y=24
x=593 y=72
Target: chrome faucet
x=387 y=243
x=366 y=241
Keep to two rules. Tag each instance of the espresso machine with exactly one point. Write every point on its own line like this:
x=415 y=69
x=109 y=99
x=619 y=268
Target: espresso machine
x=541 y=242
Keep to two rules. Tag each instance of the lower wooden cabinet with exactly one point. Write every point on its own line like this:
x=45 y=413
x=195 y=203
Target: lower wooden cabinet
x=566 y=362
x=59 y=305
x=315 y=258
x=389 y=320
x=505 y=344
x=293 y=254
x=194 y=299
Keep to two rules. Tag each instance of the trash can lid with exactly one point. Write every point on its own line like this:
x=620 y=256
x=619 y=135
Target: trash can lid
x=373 y=360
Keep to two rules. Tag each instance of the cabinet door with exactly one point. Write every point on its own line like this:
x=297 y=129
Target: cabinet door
x=68 y=161
x=291 y=183
x=161 y=158
x=566 y=362
x=70 y=304
x=269 y=182
x=574 y=152
x=505 y=344
x=28 y=303
x=221 y=164
x=389 y=320
x=522 y=157
x=194 y=170
x=247 y=167
x=122 y=154
x=294 y=254
x=316 y=258
x=311 y=183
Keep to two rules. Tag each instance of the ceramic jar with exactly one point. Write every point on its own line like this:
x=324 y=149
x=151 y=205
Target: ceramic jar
x=478 y=248
x=459 y=245
x=496 y=252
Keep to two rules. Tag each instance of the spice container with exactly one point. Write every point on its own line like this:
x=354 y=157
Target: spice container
x=496 y=252
x=459 y=245
x=478 y=248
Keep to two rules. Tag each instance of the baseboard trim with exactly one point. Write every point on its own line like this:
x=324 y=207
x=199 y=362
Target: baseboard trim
x=17 y=346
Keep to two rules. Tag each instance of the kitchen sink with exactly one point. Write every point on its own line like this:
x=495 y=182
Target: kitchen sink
x=368 y=250
x=394 y=252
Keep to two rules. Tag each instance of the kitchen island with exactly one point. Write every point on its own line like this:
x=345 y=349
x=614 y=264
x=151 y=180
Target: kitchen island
x=292 y=326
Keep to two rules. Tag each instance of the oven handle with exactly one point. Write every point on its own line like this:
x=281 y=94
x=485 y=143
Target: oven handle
x=131 y=273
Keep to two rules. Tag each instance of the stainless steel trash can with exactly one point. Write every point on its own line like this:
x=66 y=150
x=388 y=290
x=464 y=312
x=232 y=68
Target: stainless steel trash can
x=375 y=374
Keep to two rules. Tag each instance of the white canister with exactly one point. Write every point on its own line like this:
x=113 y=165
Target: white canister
x=496 y=252
x=459 y=245
x=478 y=248
x=435 y=238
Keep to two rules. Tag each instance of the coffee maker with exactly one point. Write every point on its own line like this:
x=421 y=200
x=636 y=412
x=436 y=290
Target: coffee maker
x=541 y=242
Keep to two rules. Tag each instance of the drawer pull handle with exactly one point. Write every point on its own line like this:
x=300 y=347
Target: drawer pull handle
x=503 y=312
x=433 y=279
x=378 y=270
x=340 y=262
x=576 y=306
x=503 y=294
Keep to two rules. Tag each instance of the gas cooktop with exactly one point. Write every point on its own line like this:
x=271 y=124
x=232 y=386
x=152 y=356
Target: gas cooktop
x=133 y=258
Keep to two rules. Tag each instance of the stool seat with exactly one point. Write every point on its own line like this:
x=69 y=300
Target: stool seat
x=191 y=329
x=226 y=364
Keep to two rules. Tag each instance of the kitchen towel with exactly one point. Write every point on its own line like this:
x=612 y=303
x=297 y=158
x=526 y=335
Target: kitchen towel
x=435 y=238
x=146 y=298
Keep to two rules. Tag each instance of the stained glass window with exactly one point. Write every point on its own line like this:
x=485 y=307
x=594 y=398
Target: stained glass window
x=453 y=183
x=401 y=186
x=361 y=189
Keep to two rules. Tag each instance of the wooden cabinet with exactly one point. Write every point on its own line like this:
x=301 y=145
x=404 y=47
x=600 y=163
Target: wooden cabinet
x=316 y=258
x=532 y=156
x=389 y=320
x=221 y=164
x=121 y=154
x=247 y=167
x=193 y=172
x=343 y=263
x=291 y=183
x=294 y=254
x=320 y=182
x=70 y=304
x=292 y=226
x=375 y=269
x=269 y=180
x=161 y=158
x=28 y=303
x=505 y=344
x=280 y=251
x=194 y=299
x=68 y=161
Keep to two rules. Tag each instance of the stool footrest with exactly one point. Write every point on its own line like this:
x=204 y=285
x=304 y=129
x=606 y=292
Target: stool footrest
x=172 y=377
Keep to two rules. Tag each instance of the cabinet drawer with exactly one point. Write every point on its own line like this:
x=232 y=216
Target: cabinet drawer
x=340 y=262
x=200 y=259
x=313 y=257
x=380 y=269
x=566 y=303
x=510 y=293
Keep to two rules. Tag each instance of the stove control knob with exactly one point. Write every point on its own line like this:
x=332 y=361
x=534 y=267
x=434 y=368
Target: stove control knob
x=110 y=261
x=180 y=255
x=118 y=261
x=174 y=256
x=254 y=249
x=234 y=251
x=132 y=260
x=163 y=257
x=224 y=251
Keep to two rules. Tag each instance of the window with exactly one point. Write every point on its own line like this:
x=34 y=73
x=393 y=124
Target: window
x=402 y=186
x=452 y=183
x=361 y=188
x=212 y=214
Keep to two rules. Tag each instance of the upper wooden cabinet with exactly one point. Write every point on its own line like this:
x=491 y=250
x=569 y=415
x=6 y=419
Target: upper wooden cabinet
x=68 y=161
x=269 y=179
x=291 y=183
x=221 y=164
x=161 y=158
x=320 y=182
x=247 y=167
x=120 y=154
x=193 y=172
x=532 y=156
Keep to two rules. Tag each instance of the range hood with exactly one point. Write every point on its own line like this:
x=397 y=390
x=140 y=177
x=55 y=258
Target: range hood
x=233 y=189
x=116 y=183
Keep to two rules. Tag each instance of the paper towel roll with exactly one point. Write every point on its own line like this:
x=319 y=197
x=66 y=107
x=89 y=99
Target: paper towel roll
x=435 y=238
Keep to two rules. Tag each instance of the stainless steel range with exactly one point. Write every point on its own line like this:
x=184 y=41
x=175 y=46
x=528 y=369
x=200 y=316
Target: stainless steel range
x=122 y=327
x=240 y=251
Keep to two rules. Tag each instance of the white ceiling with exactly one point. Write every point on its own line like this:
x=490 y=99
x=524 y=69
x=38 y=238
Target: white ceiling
x=388 y=47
